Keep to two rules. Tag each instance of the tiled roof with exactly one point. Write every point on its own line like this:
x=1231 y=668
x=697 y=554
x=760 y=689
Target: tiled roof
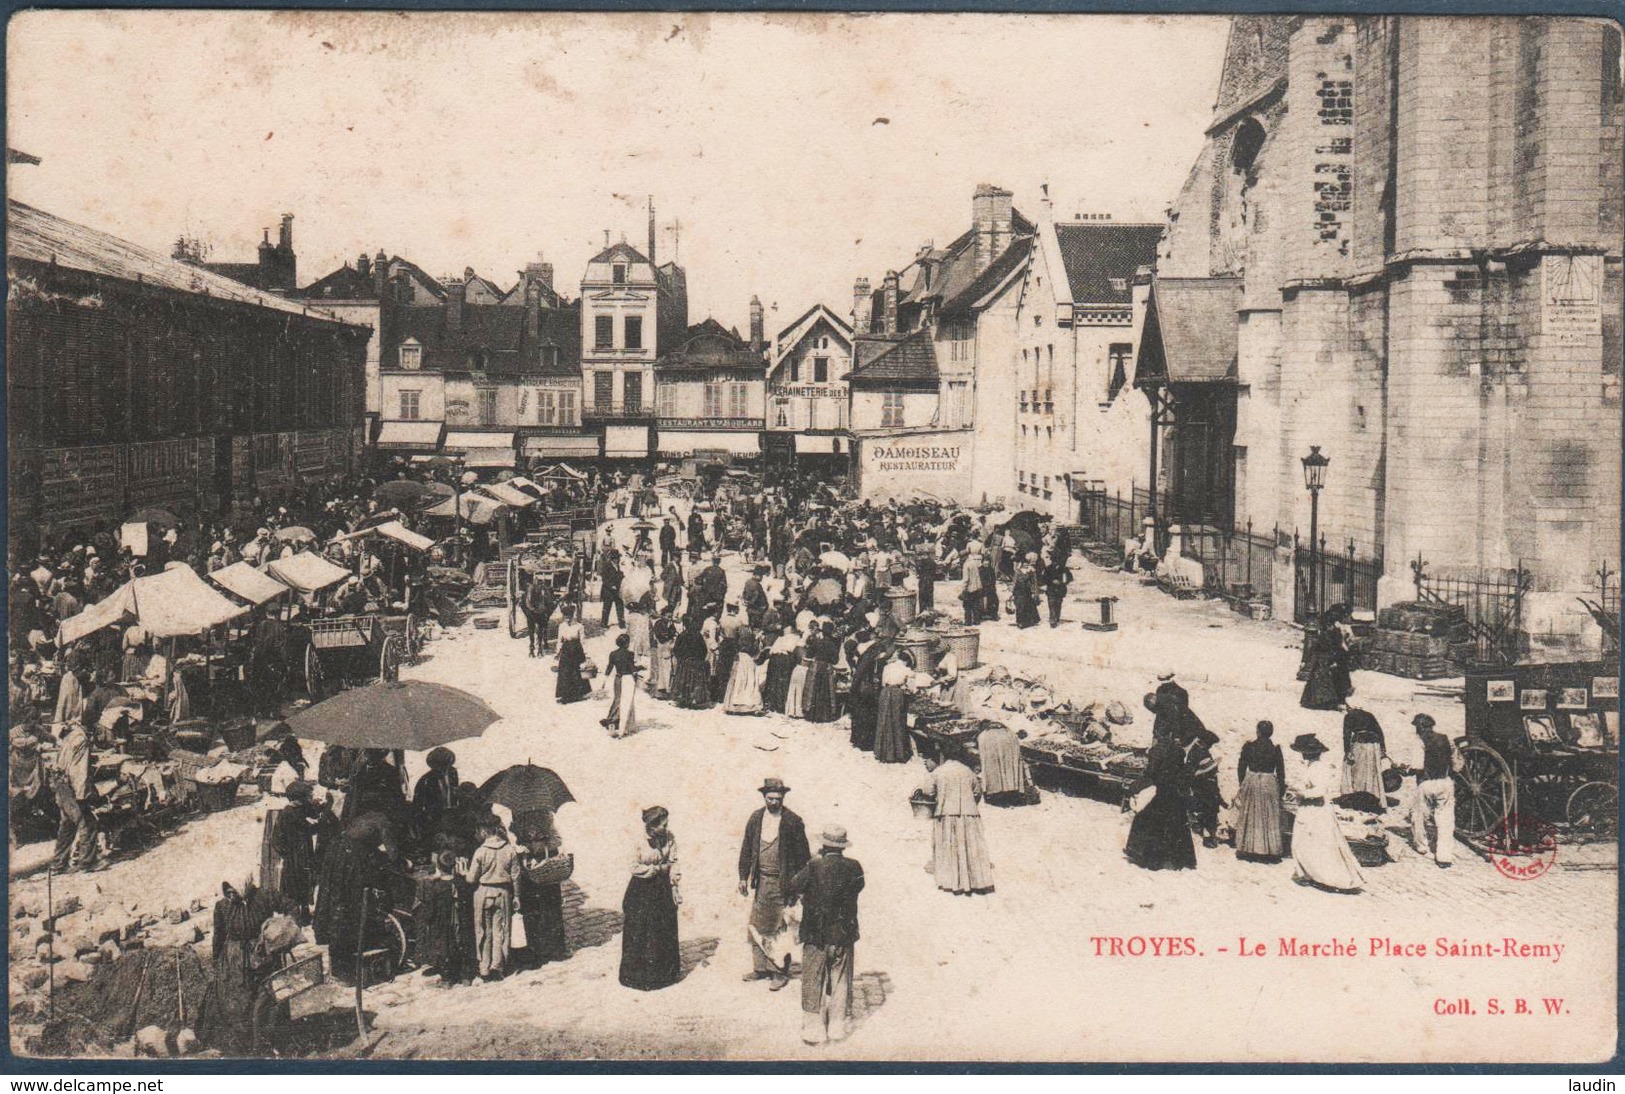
x=344 y=283
x=710 y=345
x=1190 y=331
x=41 y=237
x=1001 y=267
x=496 y=333
x=620 y=252
x=1098 y=253
x=907 y=360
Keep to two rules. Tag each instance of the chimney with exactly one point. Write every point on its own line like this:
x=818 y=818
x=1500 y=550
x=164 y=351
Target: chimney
x=533 y=313
x=1048 y=205
x=991 y=215
x=285 y=237
x=888 y=305
x=757 y=333
x=540 y=273
x=265 y=247
x=363 y=264
x=454 y=306
x=652 y=260
x=380 y=272
x=862 y=302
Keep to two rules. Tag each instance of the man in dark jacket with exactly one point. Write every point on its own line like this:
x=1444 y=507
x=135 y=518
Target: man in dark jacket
x=828 y=888
x=711 y=588
x=774 y=850
x=610 y=576
x=668 y=541
x=696 y=535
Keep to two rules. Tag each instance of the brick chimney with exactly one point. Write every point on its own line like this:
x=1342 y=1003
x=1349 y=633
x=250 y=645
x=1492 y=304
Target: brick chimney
x=285 y=236
x=454 y=305
x=862 y=304
x=380 y=272
x=363 y=264
x=888 y=305
x=540 y=273
x=992 y=211
x=533 y=312
x=757 y=326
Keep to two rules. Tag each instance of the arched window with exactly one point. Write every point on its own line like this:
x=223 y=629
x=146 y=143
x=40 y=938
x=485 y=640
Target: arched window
x=1245 y=146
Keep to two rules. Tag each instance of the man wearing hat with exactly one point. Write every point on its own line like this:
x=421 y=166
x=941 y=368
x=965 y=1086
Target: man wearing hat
x=1435 y=794
x=774 y=850
x=754 y=596
x=828 y=889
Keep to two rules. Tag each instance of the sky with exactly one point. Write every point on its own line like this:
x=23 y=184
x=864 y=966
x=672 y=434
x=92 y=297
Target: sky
x=786 y=154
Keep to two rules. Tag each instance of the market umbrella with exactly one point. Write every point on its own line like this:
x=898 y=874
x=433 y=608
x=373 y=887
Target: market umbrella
x=161 y=517
x=1027 y=529
x=402 y=494
x=409 y=714
x=470 y=478
x=826 y=591
x=835 y=559
x=525 y=788
x=296 y=534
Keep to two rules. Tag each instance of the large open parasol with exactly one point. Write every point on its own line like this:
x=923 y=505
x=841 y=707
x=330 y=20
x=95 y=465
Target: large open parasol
x=826 y=591
x=407 y=494
x=297 y=533
x=526 y=788
x=1027 y=527
x=836 y=560
x=408 y=714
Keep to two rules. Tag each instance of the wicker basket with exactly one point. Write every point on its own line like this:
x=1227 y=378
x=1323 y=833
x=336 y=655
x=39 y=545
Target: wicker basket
x=902 y=605
x=923 y=806
x=551 y=871
x=966 y=644
x=213 y=797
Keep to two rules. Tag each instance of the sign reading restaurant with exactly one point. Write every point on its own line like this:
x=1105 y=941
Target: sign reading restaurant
x=915 y=457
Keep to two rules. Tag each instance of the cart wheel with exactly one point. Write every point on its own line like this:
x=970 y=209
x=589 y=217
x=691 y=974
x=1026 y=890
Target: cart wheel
x=1593 y=811
x=313 y=673
x=267 y=1024
x=389 y=658
x=396 y=943
x=1484 y=790
x=513 y=621
x=411 y=637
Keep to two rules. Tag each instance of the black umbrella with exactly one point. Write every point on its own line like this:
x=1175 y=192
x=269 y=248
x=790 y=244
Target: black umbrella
x=409 y=714
x=1027 y=528
x=402 y=493
x=161 y=517
x=525 y=788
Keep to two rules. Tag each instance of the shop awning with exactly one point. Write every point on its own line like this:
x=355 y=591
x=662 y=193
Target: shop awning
x=404 y=435
x=816 y=444
x=477 y=508
x=464 y=440
x=626 y=440
x=674 y=442
x=488 y=457
x=1190 y=334
x=400 y=533
x=580 y=445
x=306 y=572
x=242 y=579
x=507 y=495
x=560 y=471
x=173 y=602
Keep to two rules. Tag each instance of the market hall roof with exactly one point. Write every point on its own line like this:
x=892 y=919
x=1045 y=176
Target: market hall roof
x=1190 y=332
x=910 y=360
x=1101 y=257
x=38 y=236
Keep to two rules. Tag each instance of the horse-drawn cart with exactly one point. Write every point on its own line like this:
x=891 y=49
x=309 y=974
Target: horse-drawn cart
x=354 y=649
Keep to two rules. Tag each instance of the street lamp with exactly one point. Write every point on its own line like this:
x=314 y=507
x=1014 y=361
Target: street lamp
x=1314 y=477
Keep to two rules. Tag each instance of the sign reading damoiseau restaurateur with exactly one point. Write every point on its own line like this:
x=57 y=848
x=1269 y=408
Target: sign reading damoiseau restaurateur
x=928 y=464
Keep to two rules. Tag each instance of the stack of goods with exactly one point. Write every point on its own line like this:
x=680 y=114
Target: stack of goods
x=1414 y=640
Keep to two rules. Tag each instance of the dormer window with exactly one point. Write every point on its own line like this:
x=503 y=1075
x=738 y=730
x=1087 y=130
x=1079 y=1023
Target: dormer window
x=1119 y=284
x=411 y=356
x=618 y=273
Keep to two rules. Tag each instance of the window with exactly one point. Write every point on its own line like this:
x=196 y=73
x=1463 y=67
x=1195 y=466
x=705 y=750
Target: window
x=634 y=332
x=1048 y=493
x=567 y=408
x=958 y=403
x=617 y=273
x=411 y=356
x=820 y=370
x=812 y=413
x=546 y=407
x=795 y=370
x=1049 y=401
x=603 y=389
x=840 y=414
x=781 y=413
x=550 y=357
x=891 y=408
x=410 y=401
x=632 y=392
x=603 y=331
x=1117 y=366
x=488 y=405
x=738 y=401
x=713 y=400
x=666 y=400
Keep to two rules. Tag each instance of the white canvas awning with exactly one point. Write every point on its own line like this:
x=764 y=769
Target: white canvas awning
x=465 y=440
x=402 y=435
x=307 y=572
x=579 y=445
x=477 y=508
x=675 y=442
x=242 y=579
x=507 y=495
x=400 y=533
x=167 y=604
x=626 y=440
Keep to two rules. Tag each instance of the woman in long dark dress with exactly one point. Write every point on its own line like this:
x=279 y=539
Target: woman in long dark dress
x=1160 y=837
x=1262 y=774
x=690 y=681
x=1328 y=685
x=353 y=864
x=864 y=700
x=1025 y=593
x=892 y=744
x=541 y=906
x=442 y=940
x=781 y=662
x=293 y=834
x=571 y=687
x=821 y=653
x=649 y=948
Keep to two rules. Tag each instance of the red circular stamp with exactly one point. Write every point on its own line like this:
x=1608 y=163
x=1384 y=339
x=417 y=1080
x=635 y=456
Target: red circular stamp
x=1521 y=847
